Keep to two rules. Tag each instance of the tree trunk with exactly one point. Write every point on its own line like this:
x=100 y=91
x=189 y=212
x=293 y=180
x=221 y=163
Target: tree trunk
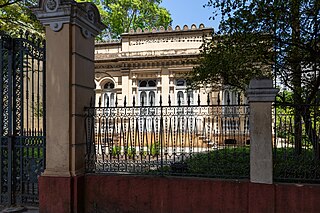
x=295 y=61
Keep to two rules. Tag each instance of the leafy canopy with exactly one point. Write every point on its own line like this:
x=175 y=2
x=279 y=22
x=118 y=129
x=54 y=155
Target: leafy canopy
x=118 y=15
x=15 y=15
x=122 y=15
x=280 y=35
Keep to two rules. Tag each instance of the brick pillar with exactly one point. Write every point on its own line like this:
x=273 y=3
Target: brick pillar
x=261 y=94
x=70 y=29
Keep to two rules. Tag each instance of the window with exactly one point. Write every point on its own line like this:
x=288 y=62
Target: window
x=109 y=85
x=108 y=95
x=182 y=93
x=147 y=92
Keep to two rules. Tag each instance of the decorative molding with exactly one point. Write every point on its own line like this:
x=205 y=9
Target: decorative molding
x=52 y=5
x=55 y=13
x=169 y=29
x=167 y=39
x=176 y=63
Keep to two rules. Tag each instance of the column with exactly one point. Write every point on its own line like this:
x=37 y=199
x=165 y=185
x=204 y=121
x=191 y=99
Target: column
x=261 y=94
x=70 y=30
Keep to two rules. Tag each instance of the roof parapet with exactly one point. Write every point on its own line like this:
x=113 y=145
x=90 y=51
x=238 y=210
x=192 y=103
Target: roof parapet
x=169 y=29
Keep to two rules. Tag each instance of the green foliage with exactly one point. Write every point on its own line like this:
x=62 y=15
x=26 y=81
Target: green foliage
x=229 y=162
x=281 y=36
x=235 y=163
x=121 y=15
x=155 y=149
x=17 y=16
x=118 y=15
x=131 y=152
x=290 y=167
x=221 y=62
x=257 y=38
x=116 y=150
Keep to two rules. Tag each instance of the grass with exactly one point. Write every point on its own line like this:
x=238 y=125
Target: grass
x=235 y=163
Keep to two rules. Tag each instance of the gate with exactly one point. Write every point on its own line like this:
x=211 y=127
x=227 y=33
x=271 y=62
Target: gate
x=22 y=115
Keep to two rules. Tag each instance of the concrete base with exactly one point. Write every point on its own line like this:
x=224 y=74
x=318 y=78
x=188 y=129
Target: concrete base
x=61 y=194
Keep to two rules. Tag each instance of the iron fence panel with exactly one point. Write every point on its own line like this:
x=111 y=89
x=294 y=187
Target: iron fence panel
x=201 y=140
x=296 y=144
x=22 y=112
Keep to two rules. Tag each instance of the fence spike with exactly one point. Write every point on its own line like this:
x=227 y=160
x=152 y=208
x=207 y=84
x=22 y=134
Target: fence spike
x=91 y=101
x=134 y=101
x=151 y=101
x=116 y=103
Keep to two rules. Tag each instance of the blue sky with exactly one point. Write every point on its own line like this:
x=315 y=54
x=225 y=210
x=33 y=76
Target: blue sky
x=190 y=12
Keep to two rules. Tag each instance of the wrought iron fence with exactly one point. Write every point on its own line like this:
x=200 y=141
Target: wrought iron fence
x=22 y=116
x=202 y=140
x=296 y=143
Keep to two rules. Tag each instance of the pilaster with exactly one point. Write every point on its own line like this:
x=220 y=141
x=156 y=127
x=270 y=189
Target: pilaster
x=70 y=29
x=261 y=94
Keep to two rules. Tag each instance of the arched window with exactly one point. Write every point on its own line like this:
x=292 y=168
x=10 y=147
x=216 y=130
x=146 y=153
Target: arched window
x=147 y=92
x=108 y=85
x=182 y=91
x=152 y=83
x=143 y=84
x=181 y=83
x=109 y=94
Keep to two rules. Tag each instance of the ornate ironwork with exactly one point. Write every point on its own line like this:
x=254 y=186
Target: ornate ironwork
x=22 y=112
x=181 y=140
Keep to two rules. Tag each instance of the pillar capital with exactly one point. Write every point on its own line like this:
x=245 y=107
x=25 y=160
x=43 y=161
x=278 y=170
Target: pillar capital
x=261 y=90
x=56 y=13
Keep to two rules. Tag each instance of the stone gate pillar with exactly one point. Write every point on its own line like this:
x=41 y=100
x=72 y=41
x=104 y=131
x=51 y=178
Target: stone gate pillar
x=261 y=94
x=70 y=30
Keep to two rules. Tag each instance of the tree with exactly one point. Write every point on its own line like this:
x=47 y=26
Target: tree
x=279 y=34
x=15 y=15
x=122 y=15
x=118 y=15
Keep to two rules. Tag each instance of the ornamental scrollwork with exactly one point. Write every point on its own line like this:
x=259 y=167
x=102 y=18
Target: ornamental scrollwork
x=51 y=5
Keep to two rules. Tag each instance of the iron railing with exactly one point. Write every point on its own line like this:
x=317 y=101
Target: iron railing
x=202 y=140
x=22 y=116
x=296 y=143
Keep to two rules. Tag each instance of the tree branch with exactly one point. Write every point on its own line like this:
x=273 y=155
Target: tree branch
x=9 y=3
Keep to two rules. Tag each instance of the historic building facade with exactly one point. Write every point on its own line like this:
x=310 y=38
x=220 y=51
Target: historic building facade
x=143 y=65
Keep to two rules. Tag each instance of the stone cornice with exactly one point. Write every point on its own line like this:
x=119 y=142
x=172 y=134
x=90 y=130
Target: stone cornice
x=147 y=62
x=162 y=31
x=55 y=13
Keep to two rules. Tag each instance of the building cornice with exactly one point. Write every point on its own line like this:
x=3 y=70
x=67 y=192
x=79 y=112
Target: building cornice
x=147 y=62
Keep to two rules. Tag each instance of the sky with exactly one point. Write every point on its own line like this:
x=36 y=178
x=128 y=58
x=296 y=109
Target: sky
x=190 y=12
